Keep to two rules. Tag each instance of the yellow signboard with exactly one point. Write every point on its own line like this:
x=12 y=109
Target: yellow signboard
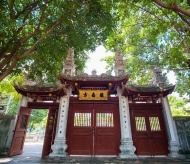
x=93 y=94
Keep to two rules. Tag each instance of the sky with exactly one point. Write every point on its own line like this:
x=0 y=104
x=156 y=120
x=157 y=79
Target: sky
x=95 y=63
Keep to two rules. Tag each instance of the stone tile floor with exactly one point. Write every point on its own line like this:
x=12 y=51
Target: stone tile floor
x=32 y=154
x=95 y=160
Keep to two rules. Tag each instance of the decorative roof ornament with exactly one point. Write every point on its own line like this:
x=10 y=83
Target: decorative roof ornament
x=150 y=92
x=94 y=73
x=119 y=64
x=69 y=63
x=159 y=78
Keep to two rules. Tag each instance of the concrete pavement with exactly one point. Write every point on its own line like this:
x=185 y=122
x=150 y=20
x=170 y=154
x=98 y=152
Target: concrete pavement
x=32 y=154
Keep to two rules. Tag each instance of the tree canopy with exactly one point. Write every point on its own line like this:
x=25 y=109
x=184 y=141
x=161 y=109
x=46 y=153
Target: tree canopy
x=177 y=106
x=36 y=34
x=154 y=33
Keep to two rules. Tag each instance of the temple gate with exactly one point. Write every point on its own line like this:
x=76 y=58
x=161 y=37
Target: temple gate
x=103 y=115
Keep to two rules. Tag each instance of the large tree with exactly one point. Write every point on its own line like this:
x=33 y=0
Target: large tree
x=153 y=33
x=36 y=34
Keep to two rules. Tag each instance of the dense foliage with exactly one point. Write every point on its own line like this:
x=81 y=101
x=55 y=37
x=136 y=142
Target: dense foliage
x=154 y=33
x=178 y=106
x=35 y=34
x=9 y=95
x=37 y=122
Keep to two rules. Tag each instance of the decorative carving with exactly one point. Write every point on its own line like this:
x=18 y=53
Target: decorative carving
x=108 y=72
x=159 y=78
x=104 y=75
x=94 y=73
x=119 y=67
x=41 y=92
x=69 y=63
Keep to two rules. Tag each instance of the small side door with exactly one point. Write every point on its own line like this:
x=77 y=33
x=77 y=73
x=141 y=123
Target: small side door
x=20 y=131
x=149 y=134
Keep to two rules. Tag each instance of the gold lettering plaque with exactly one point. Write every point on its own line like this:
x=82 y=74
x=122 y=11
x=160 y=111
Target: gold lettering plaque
x=93 y=94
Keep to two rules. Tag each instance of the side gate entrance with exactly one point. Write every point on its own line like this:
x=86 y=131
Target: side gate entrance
x=20 y=131
x=94 y=129
x=148 y=129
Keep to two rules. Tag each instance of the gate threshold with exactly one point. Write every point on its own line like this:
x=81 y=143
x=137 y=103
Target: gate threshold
x=99 y=156
x=156 y=156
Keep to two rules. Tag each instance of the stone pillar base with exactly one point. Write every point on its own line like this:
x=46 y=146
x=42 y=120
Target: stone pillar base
x=174 y=150
x=58 y=148
x=127 y=149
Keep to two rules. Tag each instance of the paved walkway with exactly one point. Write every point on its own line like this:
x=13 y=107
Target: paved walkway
x=32 y=154
x=87 y=160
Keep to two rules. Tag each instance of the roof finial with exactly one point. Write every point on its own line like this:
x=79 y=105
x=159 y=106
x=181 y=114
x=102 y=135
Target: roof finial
x=159 y=78
x=69 y=63
x=119 y=66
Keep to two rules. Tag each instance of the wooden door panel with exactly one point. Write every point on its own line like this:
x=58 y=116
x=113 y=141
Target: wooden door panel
x=149 y=134
x=158 y=133
x=142 y=146
x=50 y=131
x=20 y=131
x=105 y=140
x=81 y=139
x=159 y=147
x=18 y=144
x=105 y=145
x=81 y=145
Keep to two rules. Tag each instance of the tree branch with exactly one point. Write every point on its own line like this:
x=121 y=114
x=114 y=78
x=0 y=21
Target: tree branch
x=39 y=40
x=5 y=61
x=12 y=12
x=173 y=7
x=7 y=71
x=185 y=20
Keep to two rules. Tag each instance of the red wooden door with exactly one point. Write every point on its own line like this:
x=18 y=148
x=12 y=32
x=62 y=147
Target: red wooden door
x=93 y=130
x=81 y=138
x=50 y=131
x=20 y=131
x=105 y=138
x=149 y=134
